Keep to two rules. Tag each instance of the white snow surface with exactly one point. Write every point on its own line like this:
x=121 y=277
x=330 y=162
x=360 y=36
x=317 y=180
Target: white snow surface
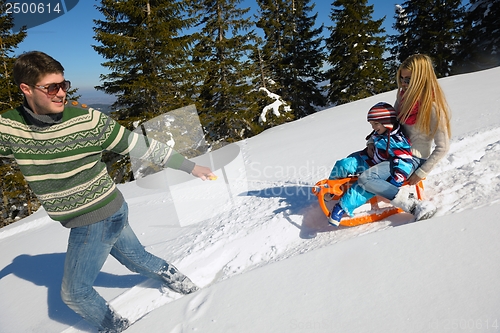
x=257 y=269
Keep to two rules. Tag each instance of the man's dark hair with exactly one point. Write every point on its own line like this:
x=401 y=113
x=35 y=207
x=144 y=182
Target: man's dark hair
x=29 y=67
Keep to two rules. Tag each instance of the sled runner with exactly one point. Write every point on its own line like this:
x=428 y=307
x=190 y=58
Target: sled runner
x=337 y=187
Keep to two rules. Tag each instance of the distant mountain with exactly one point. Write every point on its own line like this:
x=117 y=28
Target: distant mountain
x=104 y=108
x=90 y=96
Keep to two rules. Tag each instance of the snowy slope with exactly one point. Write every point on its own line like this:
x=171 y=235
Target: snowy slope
x=250 y=253
x=434 y=276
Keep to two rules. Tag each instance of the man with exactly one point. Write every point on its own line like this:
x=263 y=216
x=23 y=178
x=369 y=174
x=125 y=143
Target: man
x=58 y=149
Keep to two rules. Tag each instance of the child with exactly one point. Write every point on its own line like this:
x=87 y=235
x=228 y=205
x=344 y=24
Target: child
x=388 y=144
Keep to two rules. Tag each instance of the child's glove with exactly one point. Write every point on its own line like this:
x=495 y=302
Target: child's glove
x=394 y=182
x=397 y=179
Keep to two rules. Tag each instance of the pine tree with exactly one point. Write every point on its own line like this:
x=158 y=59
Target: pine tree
x=306 y=61
x=16 y=198
x=146 y=50
x=10 y=94
x=15 y=194
x=270 y=114
x=274 y=21
x=480 y=47
x=356 y=47
x=399 y=41
x=433 y=27
x=293 y=52
x=221 y=53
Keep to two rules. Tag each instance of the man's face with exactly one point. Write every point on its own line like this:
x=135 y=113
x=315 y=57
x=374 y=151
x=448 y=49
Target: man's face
x=41 y=99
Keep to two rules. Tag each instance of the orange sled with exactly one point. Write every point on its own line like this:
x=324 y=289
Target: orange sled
x=337 y=187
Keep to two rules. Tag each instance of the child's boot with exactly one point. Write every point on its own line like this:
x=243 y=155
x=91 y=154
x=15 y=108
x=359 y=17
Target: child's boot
x=336 y=215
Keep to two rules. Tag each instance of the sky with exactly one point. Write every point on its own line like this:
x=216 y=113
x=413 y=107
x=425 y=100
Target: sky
x=69 y=39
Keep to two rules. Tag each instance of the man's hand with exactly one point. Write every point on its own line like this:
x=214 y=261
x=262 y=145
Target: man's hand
x=203 y=173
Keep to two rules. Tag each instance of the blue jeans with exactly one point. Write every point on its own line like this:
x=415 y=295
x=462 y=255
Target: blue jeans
x=374 y=180
x=88 y=249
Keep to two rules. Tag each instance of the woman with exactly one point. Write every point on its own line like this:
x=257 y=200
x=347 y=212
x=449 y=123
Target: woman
x=425 y=116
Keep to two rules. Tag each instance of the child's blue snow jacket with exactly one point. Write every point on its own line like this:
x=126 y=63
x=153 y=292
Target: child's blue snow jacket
x=395 y=147
x=391 y=146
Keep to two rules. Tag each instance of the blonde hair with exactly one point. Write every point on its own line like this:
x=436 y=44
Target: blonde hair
x=425 y=90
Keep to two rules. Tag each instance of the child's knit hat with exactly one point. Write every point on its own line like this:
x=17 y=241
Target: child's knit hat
x=383 y=113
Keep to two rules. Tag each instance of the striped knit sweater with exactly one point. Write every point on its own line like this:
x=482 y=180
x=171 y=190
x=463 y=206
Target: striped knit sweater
x=60 y=157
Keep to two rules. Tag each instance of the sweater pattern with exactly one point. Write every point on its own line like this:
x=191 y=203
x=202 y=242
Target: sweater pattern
x=62 y=162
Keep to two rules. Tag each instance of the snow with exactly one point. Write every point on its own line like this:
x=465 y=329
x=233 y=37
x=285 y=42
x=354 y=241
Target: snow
x=274 y=107
x=258 y=269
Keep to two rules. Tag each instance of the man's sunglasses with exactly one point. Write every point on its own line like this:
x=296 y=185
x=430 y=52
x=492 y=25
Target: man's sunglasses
x=53 y=88
x=405 y=79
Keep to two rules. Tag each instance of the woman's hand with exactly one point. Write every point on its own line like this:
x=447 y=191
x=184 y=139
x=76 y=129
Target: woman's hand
x=203 y=173
x=414 y=179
